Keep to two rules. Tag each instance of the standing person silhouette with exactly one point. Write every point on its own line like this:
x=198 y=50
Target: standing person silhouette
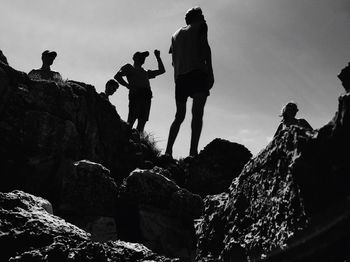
x=193 y=71
x=45 y=72
x=140 y=94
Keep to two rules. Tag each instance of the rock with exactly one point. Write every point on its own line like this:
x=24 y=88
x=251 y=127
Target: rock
x=88 y=190
x=156 y=212
x=212 y=171
x=287 y=201
x=89 y=199
x=176 y=169
x=45 y=125
x=30 y=233
x=3 y=58
x=26 y=225
x=102 y=229
x=210 y=228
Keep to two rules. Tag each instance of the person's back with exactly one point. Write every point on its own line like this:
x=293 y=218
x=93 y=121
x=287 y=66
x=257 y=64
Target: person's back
x=186 y=50
x=193 y=75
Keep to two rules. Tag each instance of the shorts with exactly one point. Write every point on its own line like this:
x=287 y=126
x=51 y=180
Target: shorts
x=139 y=108
x=191 y=83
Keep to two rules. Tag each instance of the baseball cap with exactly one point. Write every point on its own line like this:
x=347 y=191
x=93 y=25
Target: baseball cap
x=48 y=53
x=140 y=55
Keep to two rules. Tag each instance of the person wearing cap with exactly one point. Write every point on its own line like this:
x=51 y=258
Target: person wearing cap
x=137 y=81
x=110 y=88
x=288 y=114
x=193 y=73
x=344 y=77
x=45 y=72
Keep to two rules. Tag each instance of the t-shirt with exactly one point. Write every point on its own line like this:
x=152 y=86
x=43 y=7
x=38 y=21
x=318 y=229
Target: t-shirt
x=39 y=74
x=187 y=48
x=138 y=79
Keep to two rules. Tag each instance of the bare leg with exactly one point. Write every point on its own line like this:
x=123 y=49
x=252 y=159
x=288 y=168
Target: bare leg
x=140 y=125
x=131 y=120
x=175 y=126
x=199 y=101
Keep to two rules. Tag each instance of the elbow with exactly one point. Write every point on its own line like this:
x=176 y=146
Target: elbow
x=117 y=77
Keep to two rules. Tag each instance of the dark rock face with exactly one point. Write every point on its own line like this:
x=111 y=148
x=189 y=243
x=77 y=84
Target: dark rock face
x=157 y=213
x=44 y=125
x=25 y=224
x=3 y=58
x=30 y=233
x=288 y=198
x=212 y=171
x=88 y=199
x=88 y=190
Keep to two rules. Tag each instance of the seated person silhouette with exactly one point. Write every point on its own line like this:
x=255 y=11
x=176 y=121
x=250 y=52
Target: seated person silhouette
x=140 y=94
x=110 y=88
x=3 y=58
x=344 y=77
x=288 y=114
x=45 y=72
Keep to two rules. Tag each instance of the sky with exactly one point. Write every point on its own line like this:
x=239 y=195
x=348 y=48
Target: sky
x=265 y=53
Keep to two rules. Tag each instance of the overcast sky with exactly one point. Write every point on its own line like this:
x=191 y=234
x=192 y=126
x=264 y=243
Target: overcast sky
x=265 y=53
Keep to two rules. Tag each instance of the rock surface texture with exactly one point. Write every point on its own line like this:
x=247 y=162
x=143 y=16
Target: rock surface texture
x=44 y=125
x=212 y=171
x=159 y=214
x=289 y=198
x=30 y=233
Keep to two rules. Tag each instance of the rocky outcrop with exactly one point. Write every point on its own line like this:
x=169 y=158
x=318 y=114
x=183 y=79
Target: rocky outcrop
x=44 y=125
x=289 y=197
x=88 y=199
x=30 y=233
x=212 y=171
x=88 y=190
x=157 y=213
x=3 y=58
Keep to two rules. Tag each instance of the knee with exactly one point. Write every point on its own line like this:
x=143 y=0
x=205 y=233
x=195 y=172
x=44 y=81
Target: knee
x=179 y=118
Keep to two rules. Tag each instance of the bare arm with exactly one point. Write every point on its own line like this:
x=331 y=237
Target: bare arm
x=119 y=77
x=207 y=54
x=161 y=68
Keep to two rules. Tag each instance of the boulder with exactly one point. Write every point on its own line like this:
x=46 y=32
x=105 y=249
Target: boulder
x=30 y=233
x=88 y=199
x=44 y=125
x=212 y=171
x=156 y=212
x=287 y=201
x=88 y=190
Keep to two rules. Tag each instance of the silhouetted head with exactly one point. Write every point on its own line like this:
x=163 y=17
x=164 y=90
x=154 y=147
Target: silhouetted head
x=48 y=57
x=344 y=77
x=140 y=57
x=111 y=87
x=289 y=110
x=194 y=14
x=3 y=58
